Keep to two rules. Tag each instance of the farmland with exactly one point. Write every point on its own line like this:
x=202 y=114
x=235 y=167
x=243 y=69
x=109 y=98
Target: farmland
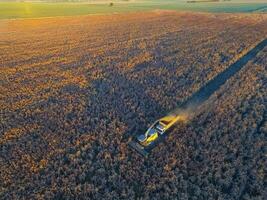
x=33 y=9
x=73 y=90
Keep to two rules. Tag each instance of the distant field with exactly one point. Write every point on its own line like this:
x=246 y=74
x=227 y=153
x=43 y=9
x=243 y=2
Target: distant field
x=32 y=10
x=13 y=10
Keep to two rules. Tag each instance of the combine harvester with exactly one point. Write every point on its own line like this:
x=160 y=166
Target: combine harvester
x=145 y=142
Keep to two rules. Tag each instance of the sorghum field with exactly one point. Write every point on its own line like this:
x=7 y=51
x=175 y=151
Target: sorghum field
x=73 y=90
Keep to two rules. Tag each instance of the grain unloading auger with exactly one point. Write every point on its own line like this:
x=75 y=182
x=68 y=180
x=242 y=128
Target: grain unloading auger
x=145 y=142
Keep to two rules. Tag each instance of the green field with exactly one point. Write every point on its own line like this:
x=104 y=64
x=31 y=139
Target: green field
x=11 y=10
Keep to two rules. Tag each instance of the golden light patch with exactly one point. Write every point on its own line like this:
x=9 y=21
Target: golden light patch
x=16 y=133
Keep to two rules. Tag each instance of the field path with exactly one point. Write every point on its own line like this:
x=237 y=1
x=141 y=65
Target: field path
x=199 y=97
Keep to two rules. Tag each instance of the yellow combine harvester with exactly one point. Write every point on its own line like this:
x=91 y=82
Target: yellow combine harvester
x=142 y=143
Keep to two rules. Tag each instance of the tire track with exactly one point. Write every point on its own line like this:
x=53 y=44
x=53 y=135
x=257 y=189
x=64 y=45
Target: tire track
x=203 y=94
x=260 y=9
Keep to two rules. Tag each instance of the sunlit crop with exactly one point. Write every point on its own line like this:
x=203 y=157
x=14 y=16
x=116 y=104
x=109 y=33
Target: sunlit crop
x=73 y=90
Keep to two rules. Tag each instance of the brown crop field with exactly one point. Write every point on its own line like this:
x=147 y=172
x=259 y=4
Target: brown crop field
x=74 y=89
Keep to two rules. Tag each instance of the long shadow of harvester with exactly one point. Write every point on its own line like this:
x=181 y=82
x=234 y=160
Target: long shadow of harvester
x=203 y=94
